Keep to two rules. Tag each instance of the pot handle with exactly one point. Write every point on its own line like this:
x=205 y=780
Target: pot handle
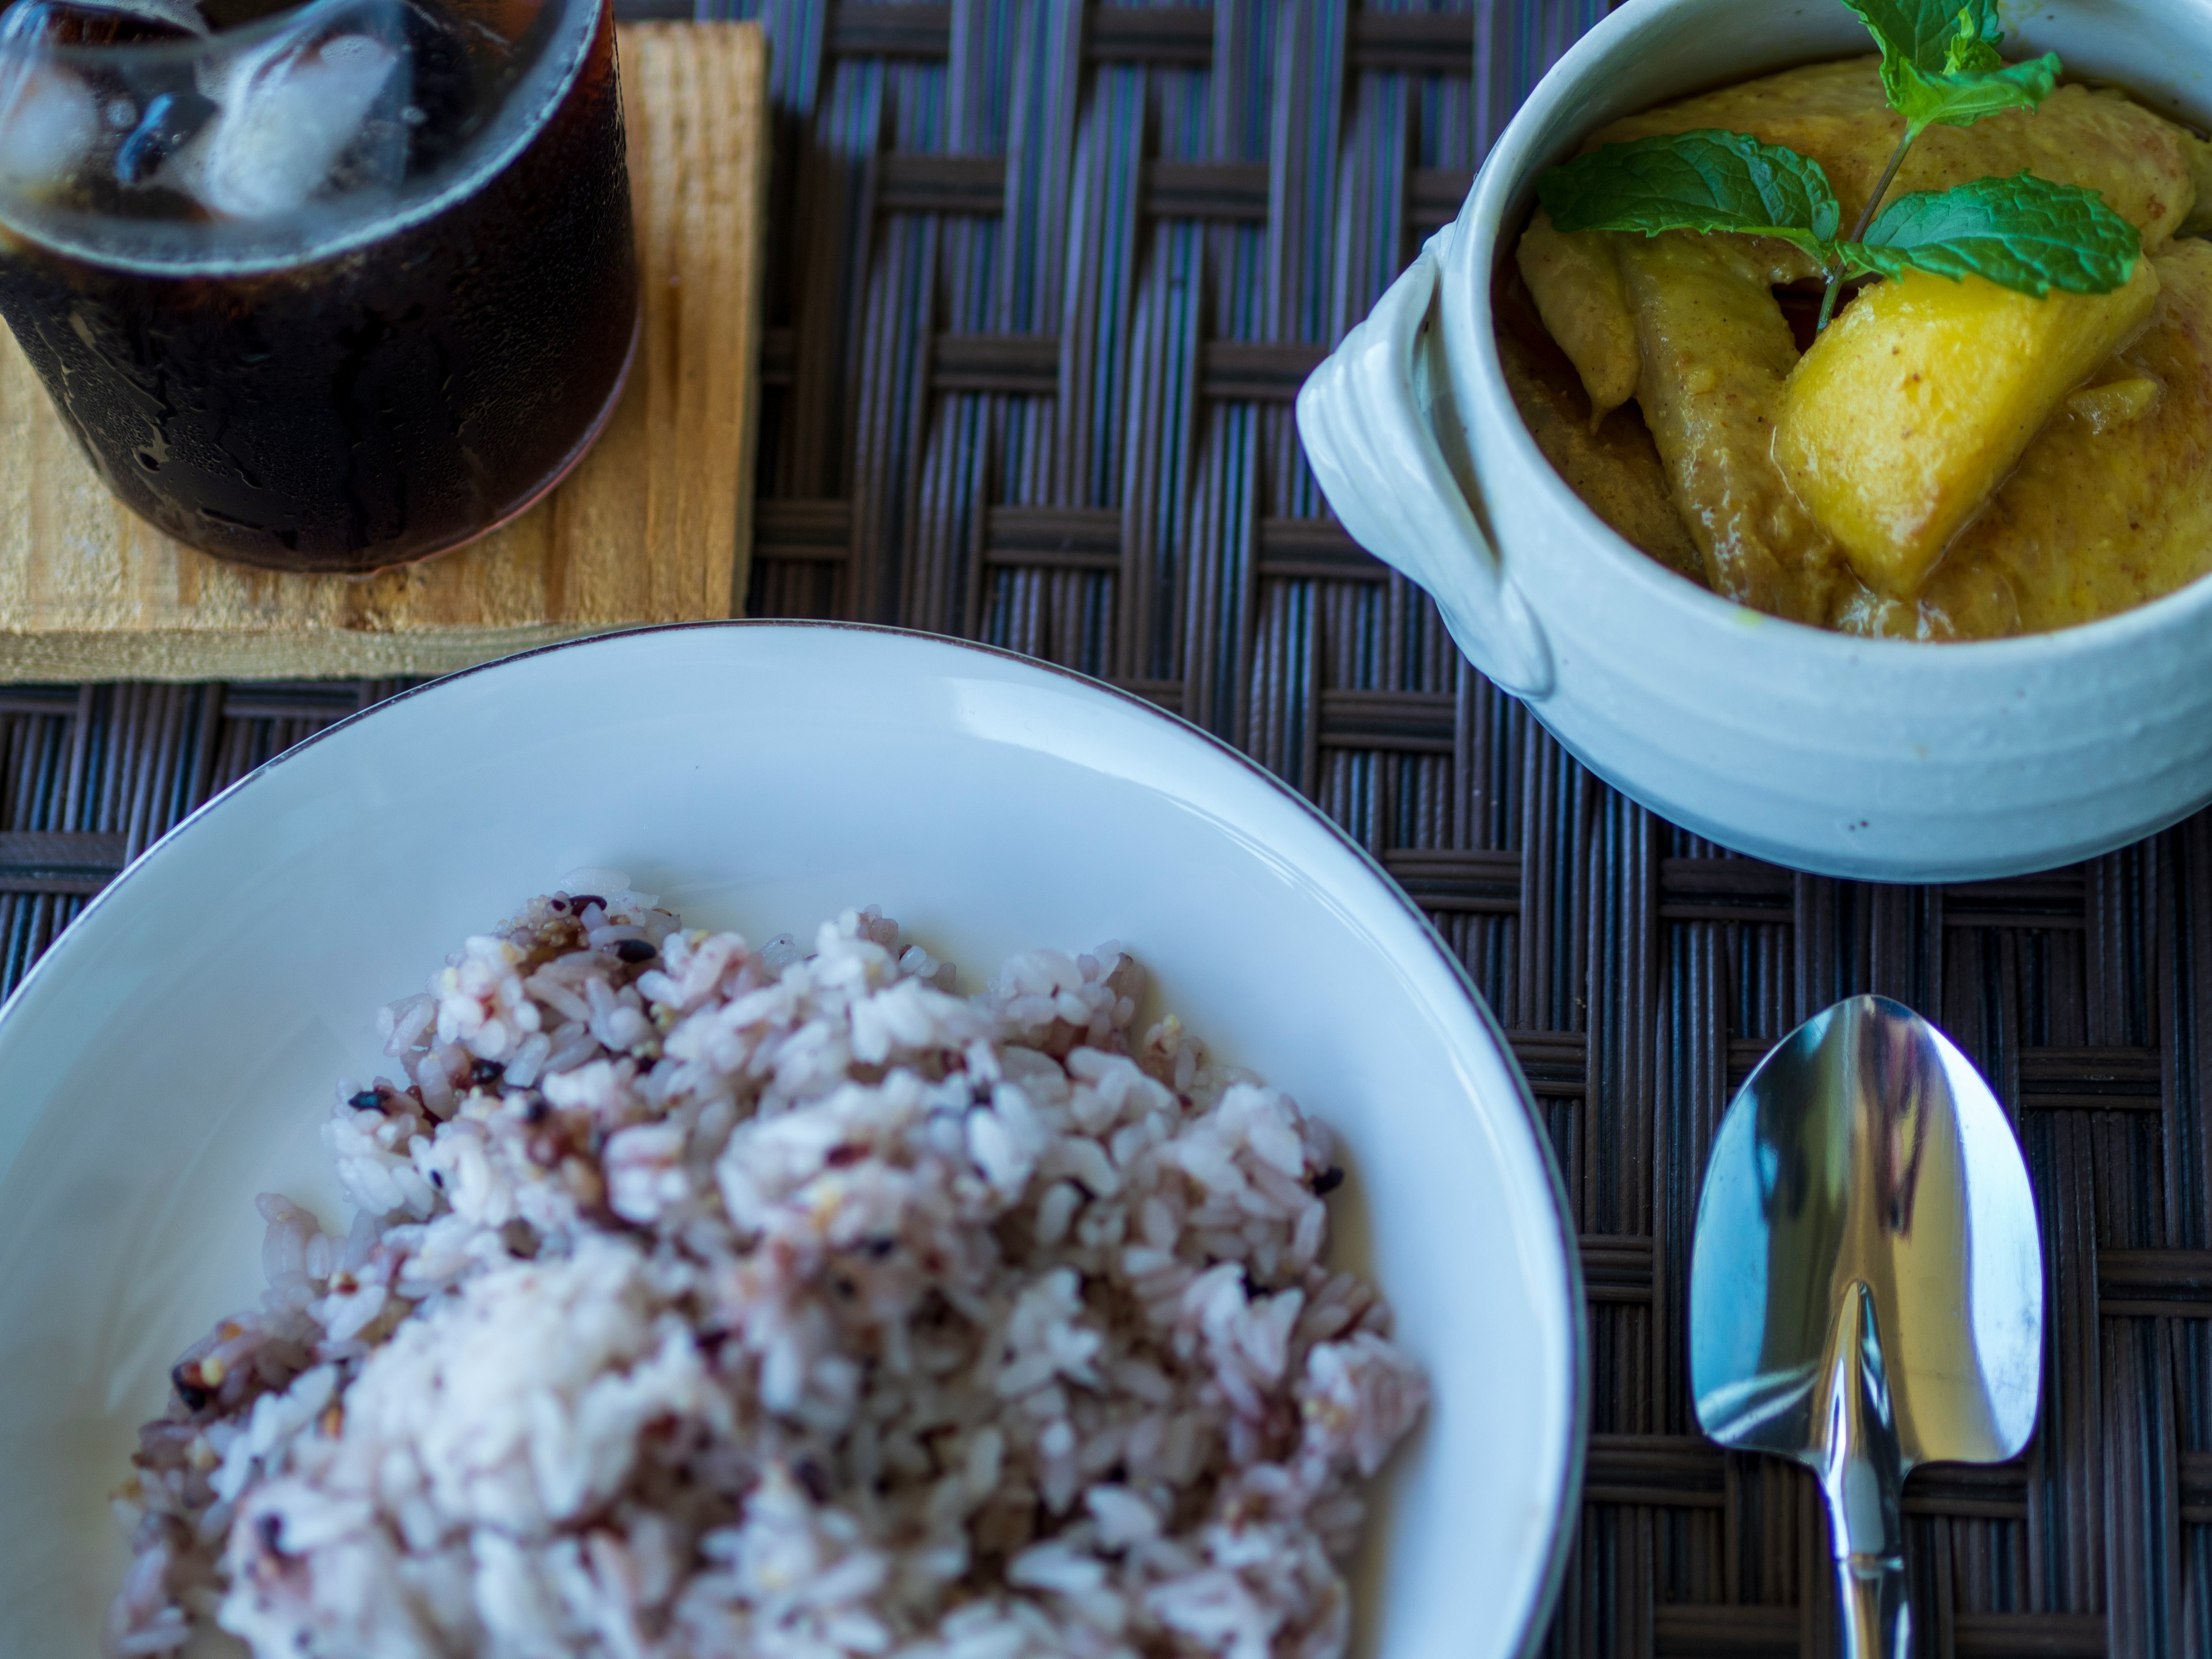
x=1372 y=416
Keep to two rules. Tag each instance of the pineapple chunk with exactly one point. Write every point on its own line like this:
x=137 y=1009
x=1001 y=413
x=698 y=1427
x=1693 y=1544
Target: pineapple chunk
x=1913 y=407
x=1576 y=286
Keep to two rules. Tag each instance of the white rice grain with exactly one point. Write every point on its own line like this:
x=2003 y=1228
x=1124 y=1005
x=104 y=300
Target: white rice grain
x=706 y=1299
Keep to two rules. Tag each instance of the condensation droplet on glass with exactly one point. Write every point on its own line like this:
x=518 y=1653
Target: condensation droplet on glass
x=412 y=116
x=122 y=114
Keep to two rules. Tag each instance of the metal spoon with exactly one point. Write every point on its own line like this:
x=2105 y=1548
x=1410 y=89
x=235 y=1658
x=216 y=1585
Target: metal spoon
x=1865 y=1284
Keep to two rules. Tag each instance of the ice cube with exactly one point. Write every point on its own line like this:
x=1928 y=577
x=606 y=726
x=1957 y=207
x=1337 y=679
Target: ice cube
x=49 y=121
x=170 y=120
x=288 y=112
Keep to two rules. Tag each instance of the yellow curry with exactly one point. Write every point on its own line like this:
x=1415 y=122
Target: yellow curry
x=1949 y=460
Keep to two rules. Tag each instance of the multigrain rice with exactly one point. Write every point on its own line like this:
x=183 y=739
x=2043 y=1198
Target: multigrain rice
x=704 y=1299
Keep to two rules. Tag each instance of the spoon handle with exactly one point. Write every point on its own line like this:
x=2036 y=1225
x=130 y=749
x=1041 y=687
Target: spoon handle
x=1877 y=1617
x=1862 y=1477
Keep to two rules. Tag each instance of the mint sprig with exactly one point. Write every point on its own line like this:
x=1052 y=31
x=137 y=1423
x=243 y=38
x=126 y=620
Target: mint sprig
x=2022 y=232
x=1940 y=65
x=1940 y=62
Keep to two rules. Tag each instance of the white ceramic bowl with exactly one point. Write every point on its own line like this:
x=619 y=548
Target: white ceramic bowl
x=1871 y=758
x=173 y=1053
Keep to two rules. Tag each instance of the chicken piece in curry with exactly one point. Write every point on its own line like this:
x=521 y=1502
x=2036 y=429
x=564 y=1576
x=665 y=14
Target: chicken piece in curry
x=1948 y=459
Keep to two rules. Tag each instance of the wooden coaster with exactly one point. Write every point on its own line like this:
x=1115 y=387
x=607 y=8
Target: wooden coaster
x=654 y=524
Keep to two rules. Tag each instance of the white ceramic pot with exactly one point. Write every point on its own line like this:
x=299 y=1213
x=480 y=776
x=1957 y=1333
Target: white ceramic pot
x=1879 y=759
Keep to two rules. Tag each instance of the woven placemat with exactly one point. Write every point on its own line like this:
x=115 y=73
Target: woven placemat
x=1043 y=280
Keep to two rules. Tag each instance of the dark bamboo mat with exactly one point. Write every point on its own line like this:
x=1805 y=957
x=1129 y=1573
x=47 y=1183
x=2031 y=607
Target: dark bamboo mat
x=1044 y=280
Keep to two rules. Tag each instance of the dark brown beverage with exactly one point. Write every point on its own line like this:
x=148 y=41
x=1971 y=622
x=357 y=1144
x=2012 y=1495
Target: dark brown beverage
x=360 y=373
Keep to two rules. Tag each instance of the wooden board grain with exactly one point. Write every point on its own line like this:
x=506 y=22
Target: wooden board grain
x=653 y=526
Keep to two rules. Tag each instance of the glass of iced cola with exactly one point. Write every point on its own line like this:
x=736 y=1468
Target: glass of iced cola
x=324 y=287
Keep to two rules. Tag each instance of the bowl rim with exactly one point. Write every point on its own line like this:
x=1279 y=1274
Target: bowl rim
x=1479 y=241
x=1566 y=1509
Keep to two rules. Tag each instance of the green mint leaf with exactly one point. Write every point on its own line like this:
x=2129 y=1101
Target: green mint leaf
x=1972 y=44
x=2022 y=232
x=1940 y=61
x=1925 y=34
x=1962 y=98
x=1702 y=180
